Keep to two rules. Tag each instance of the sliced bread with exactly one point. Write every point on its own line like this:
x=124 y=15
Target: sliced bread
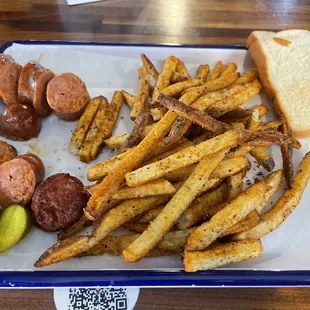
x=283 y=62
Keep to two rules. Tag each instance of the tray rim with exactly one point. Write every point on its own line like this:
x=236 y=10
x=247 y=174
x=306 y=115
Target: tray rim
x=145 y=278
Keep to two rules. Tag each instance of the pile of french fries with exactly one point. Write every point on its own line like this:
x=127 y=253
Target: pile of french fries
x=177 y=184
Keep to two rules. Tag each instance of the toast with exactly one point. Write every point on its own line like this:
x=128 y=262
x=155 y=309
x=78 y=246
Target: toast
x=283 y=62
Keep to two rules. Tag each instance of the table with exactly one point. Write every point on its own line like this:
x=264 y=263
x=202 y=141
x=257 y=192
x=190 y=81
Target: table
x=158 y=21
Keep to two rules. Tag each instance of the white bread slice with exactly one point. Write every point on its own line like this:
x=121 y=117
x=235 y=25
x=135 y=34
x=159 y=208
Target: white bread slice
x=284 y=68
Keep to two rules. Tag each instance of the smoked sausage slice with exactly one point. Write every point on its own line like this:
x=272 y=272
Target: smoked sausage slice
x=37 y=165
x=9 y=75
x=58 y=202
x=32 y=87
x=17 y=182
x=67 y=96
x=7 y=152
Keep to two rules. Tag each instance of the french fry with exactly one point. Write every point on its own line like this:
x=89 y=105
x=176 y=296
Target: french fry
x=240 y=151
x=287 y=153
x=183 y=158
x=248 y=76
x=114 y=245
x=296 y=144
x=162 y=82
x=140 y=100
x=216 y=71
x=136 y=134
x=232 y=213
x=99 y=119
x=116 y=142
x=181 y=73
x=194 y=115
x=235 y=185
x=198 y=210
x=175 y=89
x=262 y=155
x=275 y=216
x=248 y=222
x=151 y=215
x=149 y=67
x=176 y=206
x=155 y=188
x=129 y=99
x=106 y=128
x=170 y=152
x=222 y=254
x=83 y=125
x=136 y=227
x=214 y=85
x=75 y=228
x=202 y=72
x=221 y=107
x=270 y=125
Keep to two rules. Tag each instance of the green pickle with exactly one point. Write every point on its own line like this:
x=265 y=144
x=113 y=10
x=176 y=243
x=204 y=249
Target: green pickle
x=15 y=223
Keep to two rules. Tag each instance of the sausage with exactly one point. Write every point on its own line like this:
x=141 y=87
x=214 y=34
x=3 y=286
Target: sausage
x=58 y=202
x=37 y=165
x=32 y=87
x=67 y=96
x=19 y=122
x=17 y=182
x=7 y=152
x=6 y=59
x=9 y=75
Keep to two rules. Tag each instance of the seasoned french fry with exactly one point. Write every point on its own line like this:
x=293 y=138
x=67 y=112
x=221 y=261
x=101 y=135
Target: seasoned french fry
x=180 y=74
x=248 y=222
x=129 y=99
x=240 y=151
x=222 y=254
x=149 y=67
x=214 y=85
x=202 y=72
x=151 y=215
x=176 y=206
x=63 y=250
x=75 y=228
x=170 y=152
x=198 y=210
x=236 y=210
x=249 y=76
x=183 y=158
x=116 y=142
x=106 y=128
x=234 y=185
x=143 y=93
x=101 y=170
x=287 y=153
x=155 y=188
x=114 y=245
x=136 y=134
x=275 y=216
x=194 y=115
x=99 y=119
x=162 y=82
x=262 y=155
x=270 y=125
x=224 y=169
x=175 y=89
x=83 y=125
x=221 y=107
x=135 y=227
x=216 y=71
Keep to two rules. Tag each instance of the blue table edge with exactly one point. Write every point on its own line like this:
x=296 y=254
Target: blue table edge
x=147 y=278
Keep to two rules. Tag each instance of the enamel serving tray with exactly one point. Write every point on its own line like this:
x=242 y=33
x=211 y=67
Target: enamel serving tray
x=106 y=67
